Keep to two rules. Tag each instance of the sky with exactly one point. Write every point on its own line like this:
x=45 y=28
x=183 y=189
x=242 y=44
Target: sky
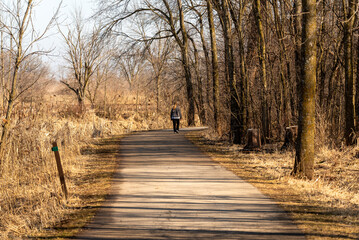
x=42 y=14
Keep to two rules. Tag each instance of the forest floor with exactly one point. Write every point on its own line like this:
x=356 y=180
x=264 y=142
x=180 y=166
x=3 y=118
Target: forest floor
x=324 y=208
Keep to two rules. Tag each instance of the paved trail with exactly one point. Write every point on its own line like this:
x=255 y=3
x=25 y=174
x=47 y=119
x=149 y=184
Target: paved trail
x=167 y=189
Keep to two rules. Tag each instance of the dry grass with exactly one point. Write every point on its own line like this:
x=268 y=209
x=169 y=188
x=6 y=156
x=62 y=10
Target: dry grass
x=325 y=208
x=92 y=182
x=31 y=201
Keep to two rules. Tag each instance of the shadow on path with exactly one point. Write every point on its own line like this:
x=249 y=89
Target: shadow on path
x=167 y=189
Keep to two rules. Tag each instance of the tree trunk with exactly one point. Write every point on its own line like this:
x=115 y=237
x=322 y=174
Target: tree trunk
x=297 y=19
x=235 y=133
x=283 y=118
x=357 y=89
x=208 y=70
x=304 y=159
x=10 y=106
x=262 y=61
x=349 y=10
x=81 y=103
x=200 y=105
x=158 y=92
x=243 y=82
x=186 y=67
x=215 y=70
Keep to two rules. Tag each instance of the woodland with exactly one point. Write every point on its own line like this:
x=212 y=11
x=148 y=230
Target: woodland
x=231 y=65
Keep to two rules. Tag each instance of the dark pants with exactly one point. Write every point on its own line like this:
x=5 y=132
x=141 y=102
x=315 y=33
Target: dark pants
x=175 y=125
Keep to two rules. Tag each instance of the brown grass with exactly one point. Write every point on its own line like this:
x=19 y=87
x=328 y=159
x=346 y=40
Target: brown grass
x=31 y=201
x=324 y=208
x=92 y=182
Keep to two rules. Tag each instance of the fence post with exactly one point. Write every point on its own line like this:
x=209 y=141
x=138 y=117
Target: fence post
x=55 y=149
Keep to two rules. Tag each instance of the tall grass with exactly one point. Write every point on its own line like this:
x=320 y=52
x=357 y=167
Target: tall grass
x=30 y=193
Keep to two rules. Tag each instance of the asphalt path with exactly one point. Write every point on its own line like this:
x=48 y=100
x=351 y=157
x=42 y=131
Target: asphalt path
x=166 y=188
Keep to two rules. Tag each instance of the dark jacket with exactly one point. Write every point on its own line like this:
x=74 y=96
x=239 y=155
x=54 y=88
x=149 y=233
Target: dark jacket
x=176 y=113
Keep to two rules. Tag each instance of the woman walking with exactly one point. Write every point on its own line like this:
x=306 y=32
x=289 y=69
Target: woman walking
x=175 y=117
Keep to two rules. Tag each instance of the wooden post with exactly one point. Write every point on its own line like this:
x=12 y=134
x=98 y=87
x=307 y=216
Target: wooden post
x=55 y=149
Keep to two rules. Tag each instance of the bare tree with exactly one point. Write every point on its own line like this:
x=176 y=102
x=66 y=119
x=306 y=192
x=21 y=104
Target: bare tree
x=157 y=54
x=222 y=7
x=237 y=14
x=349 y=7
x=17 y=26
x=85 y=54
x=131 y=63
x=215 y=67
x=172 y=14
x=100 y=77
x=262 y=59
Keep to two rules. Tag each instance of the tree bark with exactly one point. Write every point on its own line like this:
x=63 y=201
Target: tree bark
x=304 y=159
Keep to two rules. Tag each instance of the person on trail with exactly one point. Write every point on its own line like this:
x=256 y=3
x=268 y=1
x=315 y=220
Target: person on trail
x=175 y=117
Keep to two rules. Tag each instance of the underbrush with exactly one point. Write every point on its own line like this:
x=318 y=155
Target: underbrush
x=30 y=194
x=326 y=207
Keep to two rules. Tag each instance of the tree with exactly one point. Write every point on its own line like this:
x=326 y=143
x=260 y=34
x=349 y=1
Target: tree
x=222 y=8
x=157 y=54
x=17 y=25
x=85 y=54
x=183 y=44
x=172 y=15
x=203 y=86
x=262 y=60
x=199 y=93
x=349 y=7
x=237 y=18
x=100 y=76
x=131 y=63
x=284 y=65
x=304 y=159
x=215 y=68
